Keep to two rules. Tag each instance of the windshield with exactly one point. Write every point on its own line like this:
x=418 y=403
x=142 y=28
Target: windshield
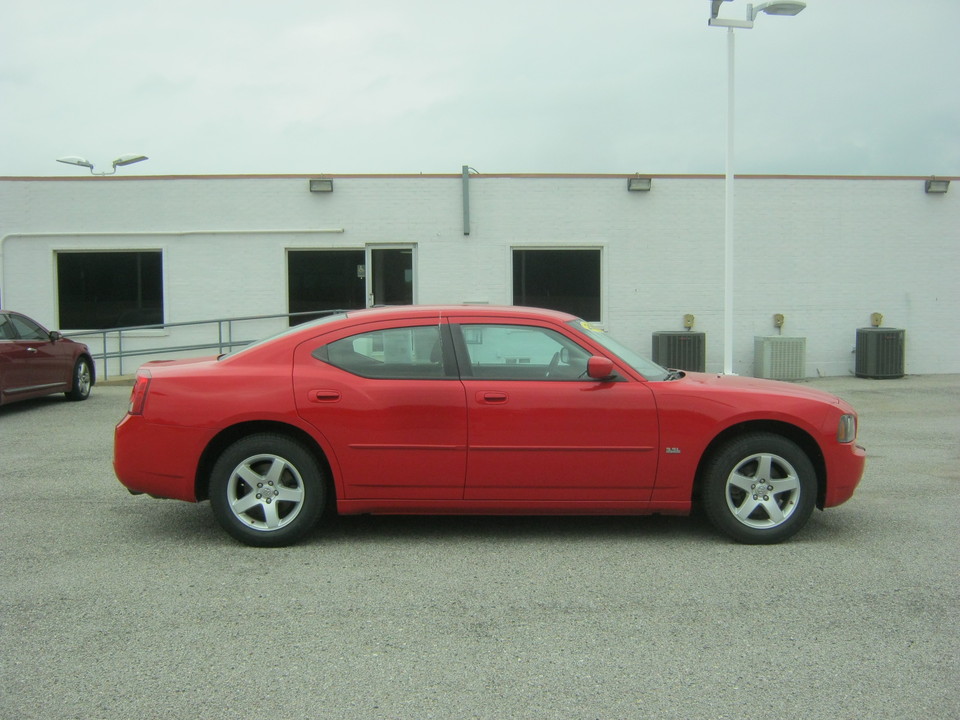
x=288 y=331
x=649 y=369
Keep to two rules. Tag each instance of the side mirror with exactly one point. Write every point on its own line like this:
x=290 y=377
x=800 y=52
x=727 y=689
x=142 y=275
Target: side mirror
x=55 y=336
x=600 y=368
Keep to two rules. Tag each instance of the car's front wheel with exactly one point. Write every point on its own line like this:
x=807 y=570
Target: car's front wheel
x=759 y=488
x=82 y=381
x=267 y=490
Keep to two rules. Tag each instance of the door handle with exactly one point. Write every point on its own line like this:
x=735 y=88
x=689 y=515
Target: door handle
x=490 y=397
x=328 y=396
x=32 y=349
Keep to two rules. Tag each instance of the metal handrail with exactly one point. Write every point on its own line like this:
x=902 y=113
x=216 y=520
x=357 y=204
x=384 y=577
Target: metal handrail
x=224 y=343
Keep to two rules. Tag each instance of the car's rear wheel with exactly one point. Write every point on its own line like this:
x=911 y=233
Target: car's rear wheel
x=759 y=488
x=82 y=381
x=267 y=490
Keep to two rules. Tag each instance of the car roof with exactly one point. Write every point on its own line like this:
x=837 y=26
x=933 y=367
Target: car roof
x=8 y=313
x=339 y=319
x=504 y=311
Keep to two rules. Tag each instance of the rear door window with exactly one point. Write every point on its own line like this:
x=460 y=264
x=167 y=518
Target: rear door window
x=398 y=353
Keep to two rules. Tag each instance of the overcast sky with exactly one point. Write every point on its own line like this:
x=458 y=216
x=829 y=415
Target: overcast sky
x=851 y=87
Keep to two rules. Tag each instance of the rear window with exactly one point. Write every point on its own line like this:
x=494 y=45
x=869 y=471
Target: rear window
x=283 y=333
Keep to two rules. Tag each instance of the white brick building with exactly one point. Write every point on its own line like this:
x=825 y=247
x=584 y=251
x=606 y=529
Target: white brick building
x=825 y=252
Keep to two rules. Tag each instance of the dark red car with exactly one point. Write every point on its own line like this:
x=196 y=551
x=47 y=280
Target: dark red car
x=477 y=409
x=35 y=361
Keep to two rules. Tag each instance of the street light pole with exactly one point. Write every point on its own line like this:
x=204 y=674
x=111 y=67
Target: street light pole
x=777 y=7
x=728 y=208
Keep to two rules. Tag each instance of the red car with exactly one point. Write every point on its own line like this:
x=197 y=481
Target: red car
x=35 y=361
x=477 y=409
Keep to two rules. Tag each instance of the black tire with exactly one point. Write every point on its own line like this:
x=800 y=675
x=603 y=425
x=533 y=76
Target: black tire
x=267 y=490
x=759 y=488
x=82 y=381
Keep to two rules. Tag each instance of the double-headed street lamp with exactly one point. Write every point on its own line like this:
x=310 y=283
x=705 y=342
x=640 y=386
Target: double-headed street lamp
x=122 y=160
x=777 y=7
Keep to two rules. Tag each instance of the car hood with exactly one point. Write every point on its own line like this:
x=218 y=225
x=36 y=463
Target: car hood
x=737 y=384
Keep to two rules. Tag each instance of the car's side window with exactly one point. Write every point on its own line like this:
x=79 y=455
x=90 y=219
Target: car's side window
x=6 y=329
x=28 y=330
x=399 y=353
x=522 y=352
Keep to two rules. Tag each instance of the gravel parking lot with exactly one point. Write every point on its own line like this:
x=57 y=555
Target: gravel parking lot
x=114 y=606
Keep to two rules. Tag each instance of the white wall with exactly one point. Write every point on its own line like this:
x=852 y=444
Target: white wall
x=825 y=252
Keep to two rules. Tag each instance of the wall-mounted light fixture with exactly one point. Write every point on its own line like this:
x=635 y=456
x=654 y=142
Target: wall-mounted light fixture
x=321 y=185
x=936 y=185
x=638 y=183
x=122 y=160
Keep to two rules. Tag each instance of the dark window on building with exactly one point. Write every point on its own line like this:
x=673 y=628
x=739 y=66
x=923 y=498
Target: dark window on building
x=325 y=280
x=567 y=280
x=109 y=289
x=392 y=276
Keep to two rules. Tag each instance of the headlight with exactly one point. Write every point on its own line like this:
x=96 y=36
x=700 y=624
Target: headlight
x=847 y=429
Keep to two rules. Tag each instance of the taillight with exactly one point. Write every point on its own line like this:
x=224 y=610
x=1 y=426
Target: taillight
x=139 y=395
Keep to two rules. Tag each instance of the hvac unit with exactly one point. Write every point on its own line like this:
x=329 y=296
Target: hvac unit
x=680 y=350
x=780 y=358
x=880 y=353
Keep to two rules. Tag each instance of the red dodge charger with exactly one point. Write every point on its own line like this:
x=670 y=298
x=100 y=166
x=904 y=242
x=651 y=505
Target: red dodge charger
x=477 y=409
